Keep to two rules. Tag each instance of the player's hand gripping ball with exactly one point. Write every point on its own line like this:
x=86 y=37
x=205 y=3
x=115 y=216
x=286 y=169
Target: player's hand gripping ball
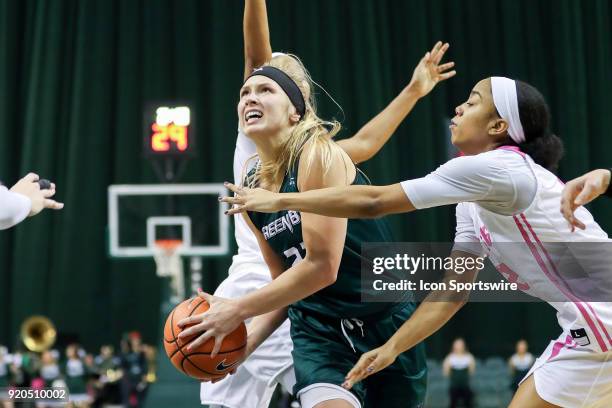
x=197 y=363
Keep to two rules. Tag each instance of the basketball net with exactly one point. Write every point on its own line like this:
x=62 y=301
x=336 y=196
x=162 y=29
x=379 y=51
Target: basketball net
x=169 y=264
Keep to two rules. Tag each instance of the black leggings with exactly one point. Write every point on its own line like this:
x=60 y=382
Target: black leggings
x=463 y=395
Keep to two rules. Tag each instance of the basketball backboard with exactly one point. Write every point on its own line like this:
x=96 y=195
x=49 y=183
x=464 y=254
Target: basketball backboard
x=141 y=214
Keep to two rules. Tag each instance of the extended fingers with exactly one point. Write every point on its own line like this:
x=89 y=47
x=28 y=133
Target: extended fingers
x=190 y=320
x=32 y=177
x=446 y=67
x=236 y=210
x=439 y=54
x=193 y=330
x=359 y=370
x=52 y=204
x=577 y=223
x=587 y=194
x=200 y=340
x=232 y=187
x=447 y=75
x=232 y=200
x=566 y=209
x=435 y=49
x=217 y=347
x=567 y=198
x=206 y=296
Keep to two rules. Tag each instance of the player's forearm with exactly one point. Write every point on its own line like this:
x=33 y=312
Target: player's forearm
x=426 y=320
x=296 y=283
x=342 y=202
x=347 y=202
x=433 y=313
x=257 y=48
x=374 y=134
x=14 y=208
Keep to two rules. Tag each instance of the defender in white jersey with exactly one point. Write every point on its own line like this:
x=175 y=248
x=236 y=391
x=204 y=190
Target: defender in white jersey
x=253 y=383
x=506 y=194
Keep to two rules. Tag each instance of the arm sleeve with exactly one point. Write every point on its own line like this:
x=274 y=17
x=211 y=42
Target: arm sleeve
x=468 y=178
x=14 y=208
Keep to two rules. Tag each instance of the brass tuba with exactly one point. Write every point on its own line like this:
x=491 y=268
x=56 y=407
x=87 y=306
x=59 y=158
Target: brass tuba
x=38 y=333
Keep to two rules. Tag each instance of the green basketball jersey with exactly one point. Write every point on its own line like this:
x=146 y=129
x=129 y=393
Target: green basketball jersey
x=283 y=232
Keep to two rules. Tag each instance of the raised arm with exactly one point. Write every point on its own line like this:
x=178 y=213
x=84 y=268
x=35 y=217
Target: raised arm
x=374 y=134
x=257 y=48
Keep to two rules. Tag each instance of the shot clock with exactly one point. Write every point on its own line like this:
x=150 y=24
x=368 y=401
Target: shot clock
x=169 y=139
x=168 y=131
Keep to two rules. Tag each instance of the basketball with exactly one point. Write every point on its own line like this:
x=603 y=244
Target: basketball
x=197 y=363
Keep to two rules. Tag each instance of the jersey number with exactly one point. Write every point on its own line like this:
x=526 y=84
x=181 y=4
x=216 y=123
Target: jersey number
x=512 y=276
x=298 y=252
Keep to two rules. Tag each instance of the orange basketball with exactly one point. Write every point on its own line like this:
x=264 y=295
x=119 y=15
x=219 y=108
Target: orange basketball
x=197 y=363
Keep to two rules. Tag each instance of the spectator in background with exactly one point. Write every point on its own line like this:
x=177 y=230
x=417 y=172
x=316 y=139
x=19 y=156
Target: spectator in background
x=24 y=368
x=151 y=356
x=49 y=369
x=459 y=365
x=5 y=360
x=520 y=363
x=134 y=366
x=107 y=360
x=4 y=367
x=75 y=375
x=51 y=376
x=108 y=370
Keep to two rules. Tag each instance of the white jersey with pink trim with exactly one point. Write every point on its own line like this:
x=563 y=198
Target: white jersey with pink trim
x=511 y=205
x=531 y=248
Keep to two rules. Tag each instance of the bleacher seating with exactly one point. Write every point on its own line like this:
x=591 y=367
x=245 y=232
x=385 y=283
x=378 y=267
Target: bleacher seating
x=490 y=384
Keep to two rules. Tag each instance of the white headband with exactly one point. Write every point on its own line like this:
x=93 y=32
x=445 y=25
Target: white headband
x=506 y=102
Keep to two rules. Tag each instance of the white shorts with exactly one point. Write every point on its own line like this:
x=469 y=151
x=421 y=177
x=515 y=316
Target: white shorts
x=254 y=381
x=570 y=376
x=316 y=393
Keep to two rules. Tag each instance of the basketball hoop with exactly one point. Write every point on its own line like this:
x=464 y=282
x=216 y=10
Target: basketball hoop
x=169 y=264
x=166 y=256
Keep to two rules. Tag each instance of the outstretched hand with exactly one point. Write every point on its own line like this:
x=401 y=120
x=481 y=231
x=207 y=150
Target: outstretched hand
x=581 y=191
x=429 y=71
x=370 y=363
x=250 y=199
x=41 y=198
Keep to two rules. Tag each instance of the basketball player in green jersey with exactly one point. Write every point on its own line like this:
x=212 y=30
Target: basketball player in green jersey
x=315 y=260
